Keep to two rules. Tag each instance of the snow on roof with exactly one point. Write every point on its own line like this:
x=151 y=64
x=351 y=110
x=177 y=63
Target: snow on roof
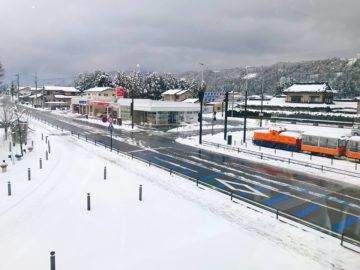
x=191 y=100
x=181 y=92
x=63 y=96
x=149 y=105
x=308 y=87
x=250 y=76
x=291 y=134
x=35 y=96
x=355 y=138
x=171 y=92
x=321 y=134
x=98 y=89
x=60 y=88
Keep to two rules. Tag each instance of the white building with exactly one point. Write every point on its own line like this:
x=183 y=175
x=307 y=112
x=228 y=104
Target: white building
x=158 y=113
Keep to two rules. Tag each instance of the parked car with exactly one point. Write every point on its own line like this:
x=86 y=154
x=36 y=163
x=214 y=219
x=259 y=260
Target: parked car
x=355 y=131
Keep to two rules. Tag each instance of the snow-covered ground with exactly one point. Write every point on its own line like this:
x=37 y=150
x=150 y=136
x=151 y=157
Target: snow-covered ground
x=252 y=124
x=176 y=226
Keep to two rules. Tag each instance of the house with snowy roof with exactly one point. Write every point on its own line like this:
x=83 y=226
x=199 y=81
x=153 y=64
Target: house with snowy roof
x=309 y=93
x=176 y=95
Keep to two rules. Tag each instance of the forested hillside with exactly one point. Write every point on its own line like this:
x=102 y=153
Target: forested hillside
x=342 y=74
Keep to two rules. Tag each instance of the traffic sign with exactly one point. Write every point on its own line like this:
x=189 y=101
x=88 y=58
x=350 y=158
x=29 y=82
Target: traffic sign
x=110 y=127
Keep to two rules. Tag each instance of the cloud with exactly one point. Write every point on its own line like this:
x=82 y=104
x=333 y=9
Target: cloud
x=67 y=37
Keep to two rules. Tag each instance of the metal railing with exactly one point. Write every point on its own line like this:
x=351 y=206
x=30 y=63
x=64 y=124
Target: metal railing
x=323 y=168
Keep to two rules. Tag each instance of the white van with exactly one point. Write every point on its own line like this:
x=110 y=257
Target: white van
x=355 y=131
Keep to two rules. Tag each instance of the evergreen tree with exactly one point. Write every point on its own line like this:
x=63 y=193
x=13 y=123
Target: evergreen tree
x=102 y=79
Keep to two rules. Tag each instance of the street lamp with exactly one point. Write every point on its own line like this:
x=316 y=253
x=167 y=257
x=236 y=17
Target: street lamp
x=201 y=99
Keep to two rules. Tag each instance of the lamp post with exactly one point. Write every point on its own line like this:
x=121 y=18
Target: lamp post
x=201 y=99
x=226 y=110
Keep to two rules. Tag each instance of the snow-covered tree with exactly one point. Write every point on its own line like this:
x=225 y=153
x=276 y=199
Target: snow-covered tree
x=183 y=84
x=154 y=85
x=102 y=79
x=84 y=81
x=7 y=115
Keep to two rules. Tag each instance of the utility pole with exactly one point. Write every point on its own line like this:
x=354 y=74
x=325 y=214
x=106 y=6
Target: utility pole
x=35 y=89
x=245 y=114
x=226 y=110
x=18 y=85
x=42 y=96
x=262 y=100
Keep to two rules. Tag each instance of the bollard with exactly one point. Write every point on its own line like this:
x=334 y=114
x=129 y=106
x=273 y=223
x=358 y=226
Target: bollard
x=46 y=139
x=46 y=155
x=29 y=174
x=261 y=155
x=32 y=143
x=149 y=163
x=231 y=195
x=105 y=173
x=310 y=156
x=238 y=150
x=275 y=151
x=277 y=213
x=95 y=142
x=322 y=168
x=342 y=240
x=289 y=160
x=52 y=260
x=40 y=163
x=140 y=193
x=42 y=136
x=49 y=149
x=9 y=146
x=332 y=161
x=197 y=182
x=9 y=188
x=170 y=171
x=85 y=138
x=292 y=154
x=132 y=156
x=88 y=202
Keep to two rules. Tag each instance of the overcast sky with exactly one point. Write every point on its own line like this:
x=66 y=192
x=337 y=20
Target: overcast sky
x=64 y=37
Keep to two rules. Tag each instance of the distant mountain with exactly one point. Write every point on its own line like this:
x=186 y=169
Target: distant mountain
x=342 y=74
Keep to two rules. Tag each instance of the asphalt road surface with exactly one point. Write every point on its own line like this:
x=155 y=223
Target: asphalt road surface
x=319 y=201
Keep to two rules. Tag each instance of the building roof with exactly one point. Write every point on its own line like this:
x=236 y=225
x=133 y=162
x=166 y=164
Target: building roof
x=98 y=89
x=63 y=96
x=149 y=105
x=60 y=88
x=171 y=92
x=308 y=87
x=191 y=100
x=182 y=92
x=35 y=96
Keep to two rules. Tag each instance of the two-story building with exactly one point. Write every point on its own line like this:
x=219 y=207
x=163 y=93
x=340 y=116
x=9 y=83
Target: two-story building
x=96 y=101
x=53 y=96
x=309 y=93
x=176 y=95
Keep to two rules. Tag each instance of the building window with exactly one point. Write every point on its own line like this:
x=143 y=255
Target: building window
x=314 y=99
x=296 y=99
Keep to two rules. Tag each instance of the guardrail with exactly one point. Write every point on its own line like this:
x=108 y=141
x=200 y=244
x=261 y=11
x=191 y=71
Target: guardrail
x=355 y=243
x=323 y=168
x=313 y=121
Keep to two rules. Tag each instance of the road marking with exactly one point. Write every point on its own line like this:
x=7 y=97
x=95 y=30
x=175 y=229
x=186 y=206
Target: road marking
x=210 y=176
x=174 y=164
x=344 y=224
x=276 y=200
x=249 y=189
x=307 y=211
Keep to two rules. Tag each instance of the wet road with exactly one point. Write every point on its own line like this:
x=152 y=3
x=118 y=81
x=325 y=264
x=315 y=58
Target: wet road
x=321 y=202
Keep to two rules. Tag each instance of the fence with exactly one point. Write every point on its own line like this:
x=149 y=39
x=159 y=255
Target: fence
x=285 y=160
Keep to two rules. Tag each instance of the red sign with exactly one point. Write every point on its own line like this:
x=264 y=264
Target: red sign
x=98 y=103
x=120 y=92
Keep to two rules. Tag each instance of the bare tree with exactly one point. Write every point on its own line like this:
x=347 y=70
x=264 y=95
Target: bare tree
x=7 y=115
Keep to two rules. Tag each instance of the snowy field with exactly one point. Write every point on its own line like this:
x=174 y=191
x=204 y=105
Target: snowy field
x=176 y=226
